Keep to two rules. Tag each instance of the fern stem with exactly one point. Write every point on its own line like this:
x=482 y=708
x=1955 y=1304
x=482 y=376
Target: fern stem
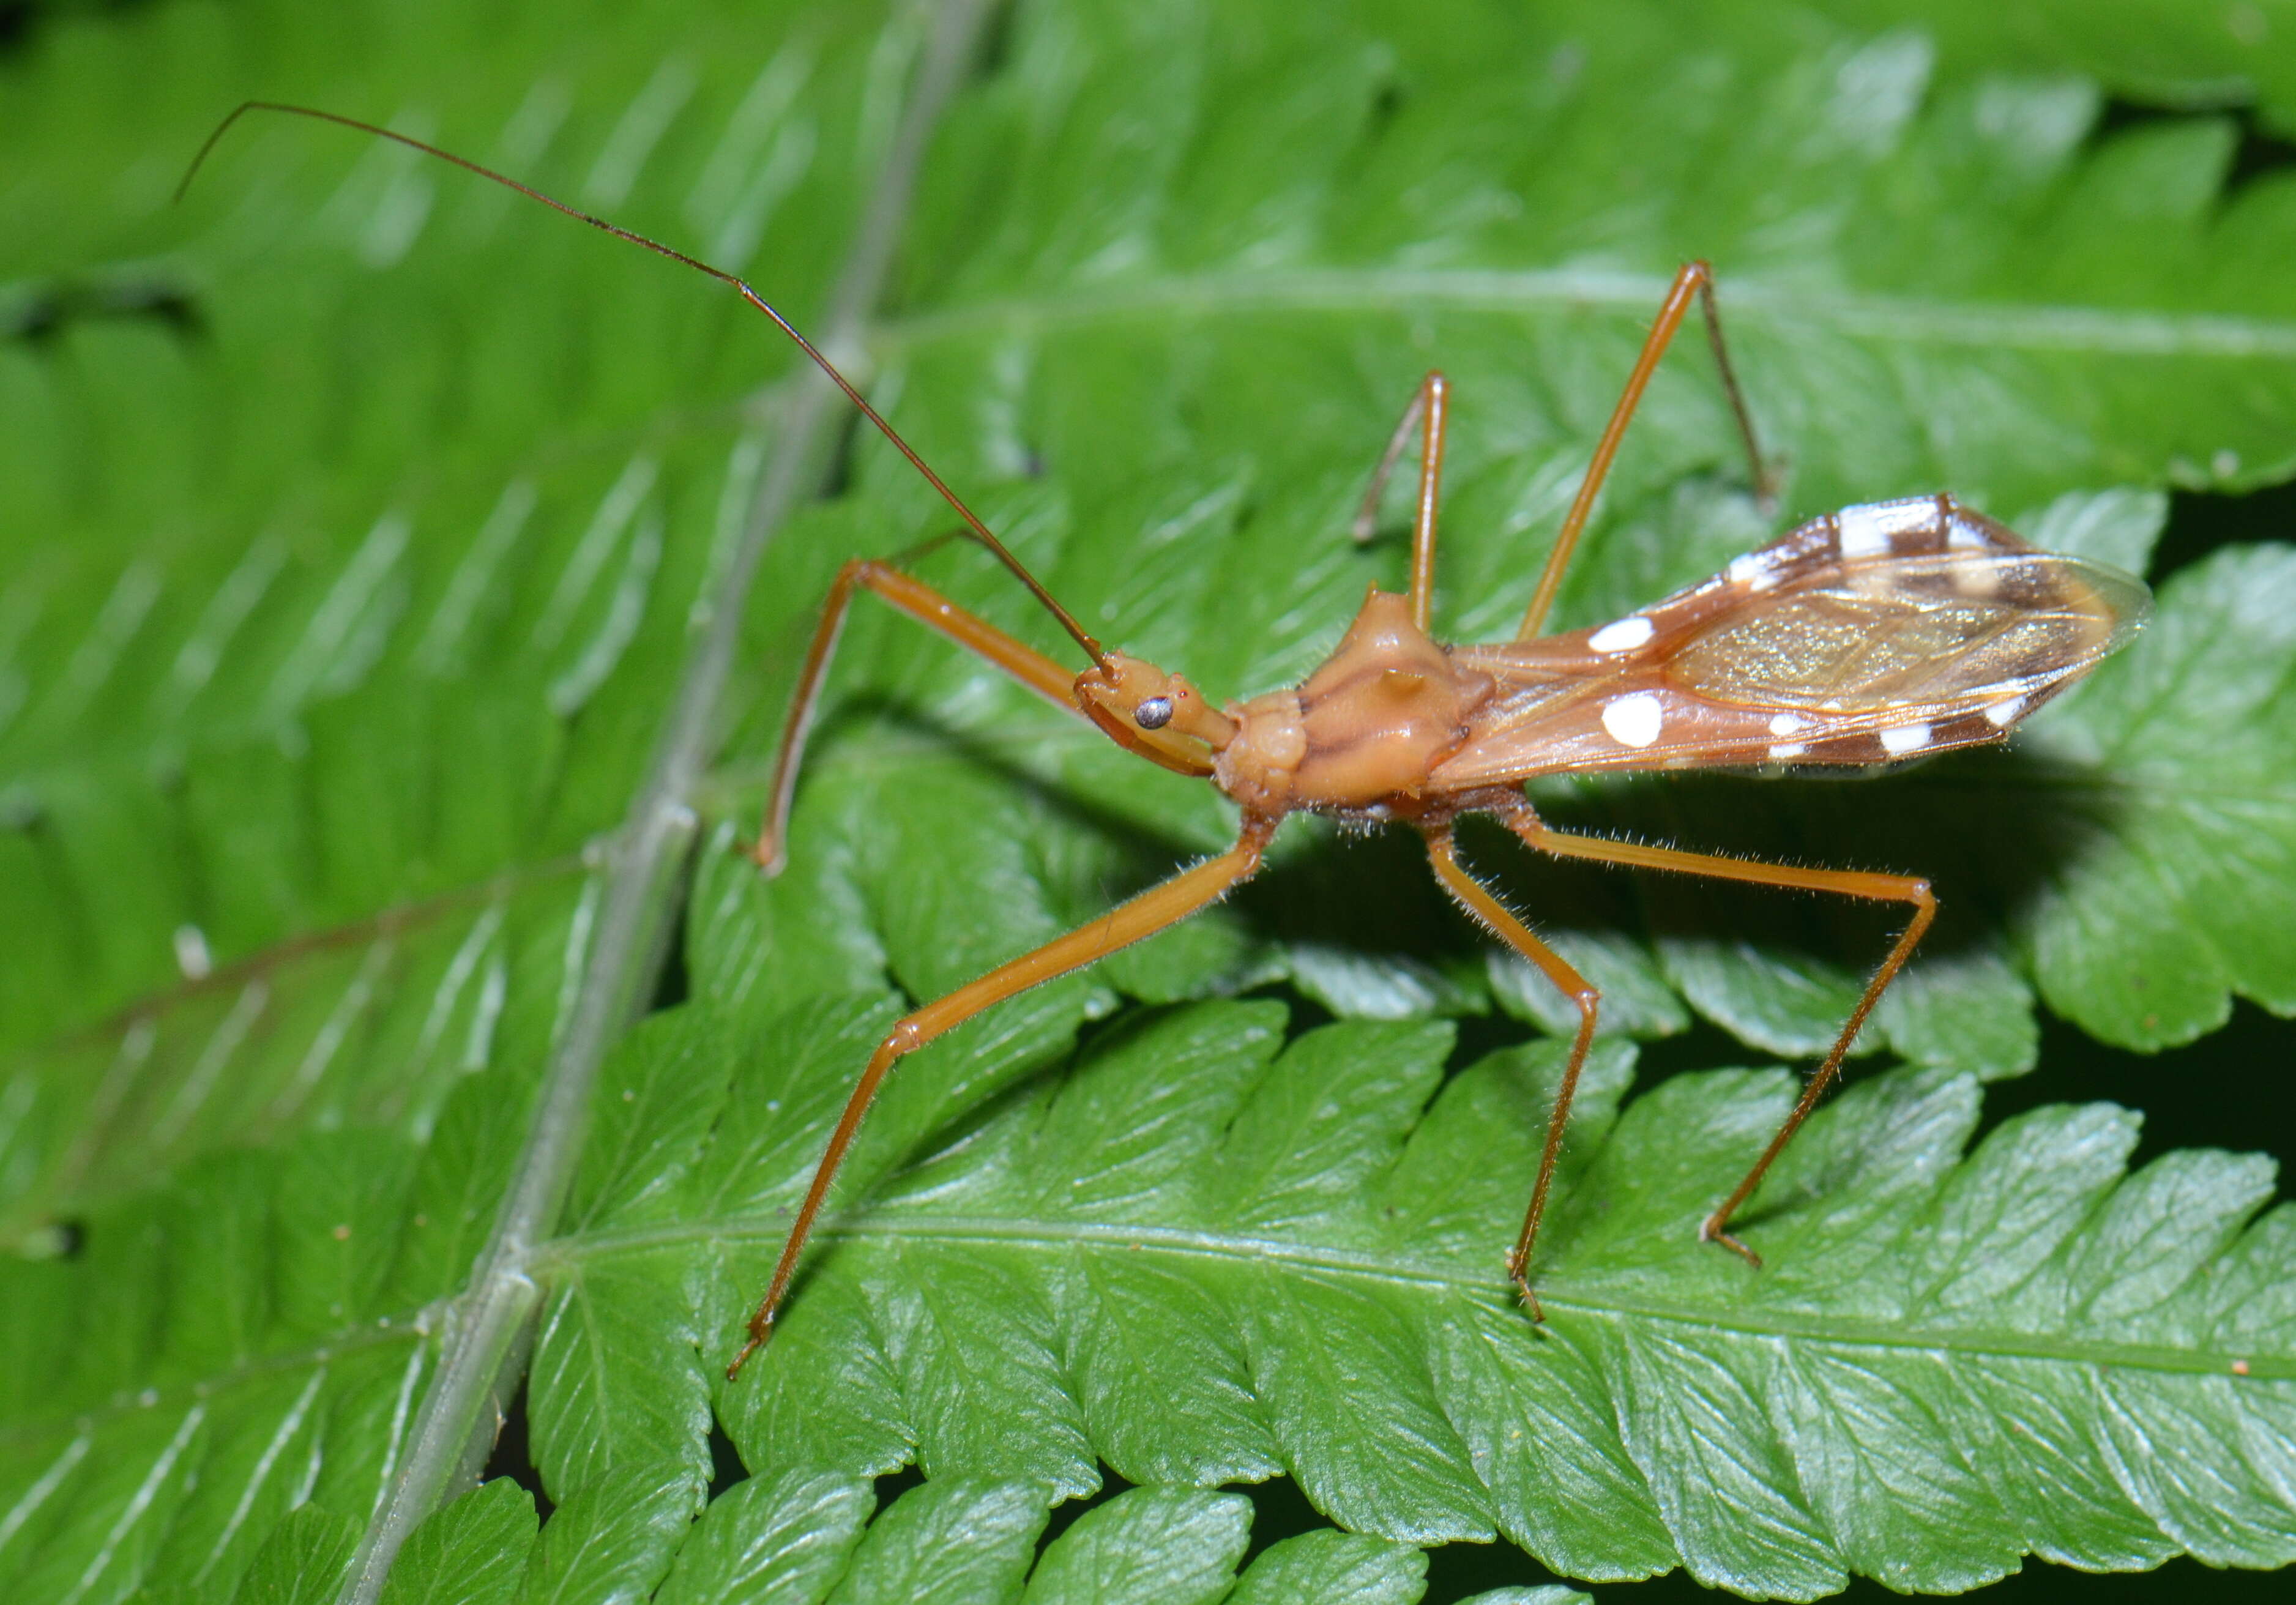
x=484 y=1344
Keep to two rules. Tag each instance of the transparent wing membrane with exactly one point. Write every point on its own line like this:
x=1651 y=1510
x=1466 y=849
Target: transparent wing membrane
x=1873 y=635
x=1920 y=632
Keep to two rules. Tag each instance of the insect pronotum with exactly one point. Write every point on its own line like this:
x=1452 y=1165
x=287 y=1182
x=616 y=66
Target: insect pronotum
x=1873 y=635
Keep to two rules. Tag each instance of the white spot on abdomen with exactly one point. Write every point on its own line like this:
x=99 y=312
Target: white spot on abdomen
x=1623 y=635
x=1783 y=751
x=1903 y=739
x=1634 y=719
x=2002 y=715
x=1871 y=529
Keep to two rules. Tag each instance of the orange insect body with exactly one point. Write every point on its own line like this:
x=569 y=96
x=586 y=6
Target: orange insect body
x=1882 y=633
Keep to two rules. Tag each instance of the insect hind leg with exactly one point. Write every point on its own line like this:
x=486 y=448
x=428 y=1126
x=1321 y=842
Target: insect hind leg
x=1865 y=885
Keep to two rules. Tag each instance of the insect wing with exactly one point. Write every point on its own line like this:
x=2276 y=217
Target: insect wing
x=1834 y=645
x=1893 y=658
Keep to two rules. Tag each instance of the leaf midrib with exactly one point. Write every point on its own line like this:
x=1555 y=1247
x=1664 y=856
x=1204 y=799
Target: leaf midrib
x=1367 y=291
x=1198 y=1243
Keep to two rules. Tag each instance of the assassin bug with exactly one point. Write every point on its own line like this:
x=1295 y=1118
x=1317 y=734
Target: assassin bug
x=1876 y=635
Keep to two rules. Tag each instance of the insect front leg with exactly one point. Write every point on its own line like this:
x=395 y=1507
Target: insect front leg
x=929 y=608
x=1693 y=278
x=1129 y=923
x=1478 y=901
x=1431 y=401
x=1845 y=883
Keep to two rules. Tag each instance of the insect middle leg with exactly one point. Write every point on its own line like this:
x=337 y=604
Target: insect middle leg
x=1846 y=883
x=1429 y=402
x=1476 y=898
x=1129 y=923
x=1694 y=279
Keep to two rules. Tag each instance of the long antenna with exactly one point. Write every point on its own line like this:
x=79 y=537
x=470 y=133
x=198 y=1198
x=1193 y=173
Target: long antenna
x=973 y=526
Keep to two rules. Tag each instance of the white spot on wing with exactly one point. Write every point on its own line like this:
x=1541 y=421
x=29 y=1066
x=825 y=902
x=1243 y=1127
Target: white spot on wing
x=1789 y=723
x=1903 y=739
x=1871 y=529
x=1961 y=536
x=2002 y=715
x=1634 y=719
x=1754 y=570
x=1623 y=635
x=1976 y=576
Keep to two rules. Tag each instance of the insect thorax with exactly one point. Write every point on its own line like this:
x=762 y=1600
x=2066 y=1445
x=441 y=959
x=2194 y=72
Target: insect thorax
x=1363 y=730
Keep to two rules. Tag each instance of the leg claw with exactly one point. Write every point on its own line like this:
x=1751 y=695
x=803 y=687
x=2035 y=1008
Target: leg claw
x=1522 y=1285
x=1711 y=1231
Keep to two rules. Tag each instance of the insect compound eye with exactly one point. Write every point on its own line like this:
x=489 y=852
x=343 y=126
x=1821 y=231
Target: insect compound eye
x=1154 y=714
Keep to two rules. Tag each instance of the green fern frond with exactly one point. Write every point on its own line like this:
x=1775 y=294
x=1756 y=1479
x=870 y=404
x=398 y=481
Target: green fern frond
x=359 y=523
